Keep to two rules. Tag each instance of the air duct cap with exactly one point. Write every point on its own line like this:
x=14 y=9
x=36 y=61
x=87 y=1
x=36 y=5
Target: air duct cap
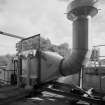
x=81 y=7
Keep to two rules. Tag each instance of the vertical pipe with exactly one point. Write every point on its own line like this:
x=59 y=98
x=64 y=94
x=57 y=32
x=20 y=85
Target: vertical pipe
x=28 y=85
x=100 y=79
x=81 y=77
x=80 y=33
x=80 y=47
x=19 y=65
x=78 y=11
x=39 y=62
x=39 y=66
x=4 y=75
x=18 y=73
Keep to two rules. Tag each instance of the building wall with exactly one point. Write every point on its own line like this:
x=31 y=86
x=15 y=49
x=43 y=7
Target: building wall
x=5 y=75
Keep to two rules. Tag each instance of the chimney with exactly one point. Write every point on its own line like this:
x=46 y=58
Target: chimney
x=78 y=12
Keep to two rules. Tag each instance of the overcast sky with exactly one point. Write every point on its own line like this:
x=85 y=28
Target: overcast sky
x=30 y=17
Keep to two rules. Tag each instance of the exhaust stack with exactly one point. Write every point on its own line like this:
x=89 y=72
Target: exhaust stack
x=78 y=12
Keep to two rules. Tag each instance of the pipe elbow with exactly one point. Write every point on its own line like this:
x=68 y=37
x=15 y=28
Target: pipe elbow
x=74 y=62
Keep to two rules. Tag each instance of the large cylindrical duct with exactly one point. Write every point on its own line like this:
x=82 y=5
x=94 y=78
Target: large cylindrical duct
x=78 y=12
x=80 y=47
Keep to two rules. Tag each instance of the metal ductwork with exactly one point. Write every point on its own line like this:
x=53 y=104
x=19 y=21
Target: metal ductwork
x=78 y=12
x=50 y=66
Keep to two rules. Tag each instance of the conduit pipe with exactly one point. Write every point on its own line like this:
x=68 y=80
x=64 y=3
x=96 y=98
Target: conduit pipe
x=78 y=12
